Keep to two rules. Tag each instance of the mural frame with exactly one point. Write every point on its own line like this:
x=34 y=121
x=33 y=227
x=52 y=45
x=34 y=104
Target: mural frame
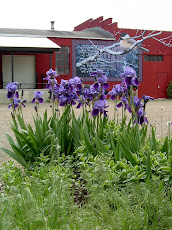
x=104 y=43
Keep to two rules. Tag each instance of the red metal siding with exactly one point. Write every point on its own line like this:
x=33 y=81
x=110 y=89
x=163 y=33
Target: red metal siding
x=63 y=42
x=151 y=70
x=42 y=65
x=149 y=85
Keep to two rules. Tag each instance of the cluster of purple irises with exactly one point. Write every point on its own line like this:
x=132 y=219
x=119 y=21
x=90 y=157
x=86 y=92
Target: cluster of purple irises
x=13 y=94
x=73 y=92
x=129 y=101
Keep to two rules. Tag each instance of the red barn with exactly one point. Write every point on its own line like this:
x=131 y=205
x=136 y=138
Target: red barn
x=26 y=55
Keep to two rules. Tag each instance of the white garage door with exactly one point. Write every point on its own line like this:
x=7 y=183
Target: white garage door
x=24 y=70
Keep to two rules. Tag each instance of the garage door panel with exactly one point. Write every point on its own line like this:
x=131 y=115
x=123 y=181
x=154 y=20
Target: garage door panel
x=24 y=70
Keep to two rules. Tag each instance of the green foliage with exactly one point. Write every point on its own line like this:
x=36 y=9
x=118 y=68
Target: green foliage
x=62 y=136
x=169 y=90
x=55 y=136
x=46 y=196
x=31 y=142
x=85 y=173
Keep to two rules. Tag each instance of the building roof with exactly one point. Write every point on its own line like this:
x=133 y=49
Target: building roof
x=91 y=33
x=27 y=44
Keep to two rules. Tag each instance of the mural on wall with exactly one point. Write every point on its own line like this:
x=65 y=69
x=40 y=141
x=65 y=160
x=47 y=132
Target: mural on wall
x=112 y=65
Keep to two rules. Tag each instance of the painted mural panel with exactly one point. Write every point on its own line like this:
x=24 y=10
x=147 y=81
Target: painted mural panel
x=113 y=66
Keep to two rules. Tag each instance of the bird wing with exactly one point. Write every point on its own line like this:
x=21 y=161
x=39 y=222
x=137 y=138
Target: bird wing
x=126 y=44
x=131 y=41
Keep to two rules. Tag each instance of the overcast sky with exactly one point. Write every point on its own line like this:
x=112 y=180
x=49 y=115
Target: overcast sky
x=37 y=14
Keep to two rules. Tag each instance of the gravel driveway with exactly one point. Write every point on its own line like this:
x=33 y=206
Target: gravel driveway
x=159 y=112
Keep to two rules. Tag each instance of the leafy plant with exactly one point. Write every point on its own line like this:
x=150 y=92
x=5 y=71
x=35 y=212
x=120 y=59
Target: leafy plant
x=30 y=143
x=169 y=90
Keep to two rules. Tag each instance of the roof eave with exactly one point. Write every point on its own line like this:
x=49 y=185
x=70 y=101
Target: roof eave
x=28 y=50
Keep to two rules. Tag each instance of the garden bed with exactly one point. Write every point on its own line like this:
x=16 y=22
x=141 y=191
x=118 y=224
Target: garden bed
x=158 y=112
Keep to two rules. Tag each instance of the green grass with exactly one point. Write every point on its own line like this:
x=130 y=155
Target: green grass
x=62 y=197
x=83 y=173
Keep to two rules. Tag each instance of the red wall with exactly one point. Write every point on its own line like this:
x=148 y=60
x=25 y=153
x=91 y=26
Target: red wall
x=42 y=65
x=150 y=70
x=63 y=42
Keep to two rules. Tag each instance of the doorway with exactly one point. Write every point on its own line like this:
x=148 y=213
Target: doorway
x=162 y=85
x=24 y=70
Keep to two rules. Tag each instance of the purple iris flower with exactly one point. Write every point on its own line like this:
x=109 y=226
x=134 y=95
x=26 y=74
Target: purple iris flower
x=113 y=93
x=140 y=112
x=63 y=100
x=37 y=97
x=79 y=105
x=15 y=104
x=119 y=90
x=124 y=102
x=64 y=82
x=67 y=92
x=96 y=86
x=136 y=102
x=79 y=87
x=116 y=91
x=72 y=81
x=51 y=74
x=61 y=90
x=147 y=98
x=100 y=106
x=102 y=79
x=52 y=83
x=67 y=98
x=93 y=91
x=89 y=96
x=77 y=80
x=81 y=101
x=105 y=86
x=102 y=97
x=126 y=105
x=12 y=88
x=141 y=118
x=97 y=73
x=128 y=80
x=119 y=105
x=129 y=71
x=135 y=81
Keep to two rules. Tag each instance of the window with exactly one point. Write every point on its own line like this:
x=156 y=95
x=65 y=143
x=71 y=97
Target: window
x=62 y=60
x=154 y=58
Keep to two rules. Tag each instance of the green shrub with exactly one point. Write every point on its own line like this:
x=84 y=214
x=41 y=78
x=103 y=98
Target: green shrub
x=169 y=90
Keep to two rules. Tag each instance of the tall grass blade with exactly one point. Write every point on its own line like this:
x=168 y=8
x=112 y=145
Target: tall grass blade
x=148 y=165
x=16 y=156
x=153 y=141
x=165 y=147
x=102 y=148
x=126 y=151
x=26 y=140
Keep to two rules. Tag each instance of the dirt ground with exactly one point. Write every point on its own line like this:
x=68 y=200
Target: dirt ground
x=158 y=112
